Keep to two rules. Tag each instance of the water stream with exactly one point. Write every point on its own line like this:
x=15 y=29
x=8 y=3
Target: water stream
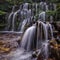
x=35 y=37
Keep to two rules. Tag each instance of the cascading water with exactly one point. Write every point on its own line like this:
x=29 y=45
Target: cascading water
x=29 y=42
x=47 y=8
x=41 y=5
x=29 y=16
x=45 y=50
x=25 y=6
x=26 y=21
x=29 y=13
x=51 y=30
x=42 y=16
x=13 y=21
x=22 y=25
x=10 y=18
x=44 y=43
x=51 y=19
x=23 y=14
x=28 y=38
x=45 y=30
x=27 y=45
x=44 y=6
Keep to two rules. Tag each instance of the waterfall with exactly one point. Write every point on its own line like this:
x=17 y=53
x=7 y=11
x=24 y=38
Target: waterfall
x=45 y=50
x=44 y=29
x=42 y=16
x=25 y=6
x=13 y=8
x=13 y=21
x=10 y=18
x=51 y=19
x=22 y=14
x=26 y=21
x=23 y=25
x=44 y=43
x=41 y=5
x=44 y=6
x=47 y=8
x=29 y=16
x=28 y=38
x=51 y=30
x=36 y=37
x=29 y=13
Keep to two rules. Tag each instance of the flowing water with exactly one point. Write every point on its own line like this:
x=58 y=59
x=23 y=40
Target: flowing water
x=10 y=18
x=29 y=42
x=13 y=21
x=35 y=37
x=49 y=27
x=44 y=43
x=51 y=19
x=26 y=47
x=25 y=6
x=26 y=13
x=23 y=15
x=42 y=16
x=28 y=38
x=41 y=5
x=29 y=14
x=22 y=26
x=26 y=21
x=45 y=50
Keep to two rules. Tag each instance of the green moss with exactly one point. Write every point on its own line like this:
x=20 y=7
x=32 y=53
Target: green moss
x=51 y=13
x=2 y=12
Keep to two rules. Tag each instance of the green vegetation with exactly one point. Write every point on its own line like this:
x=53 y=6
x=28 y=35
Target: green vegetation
x=2 y=12
x=51 y=13
x=14 y=2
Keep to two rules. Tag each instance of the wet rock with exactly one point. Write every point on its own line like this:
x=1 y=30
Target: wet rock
x=8 y=42
x=55 y=49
